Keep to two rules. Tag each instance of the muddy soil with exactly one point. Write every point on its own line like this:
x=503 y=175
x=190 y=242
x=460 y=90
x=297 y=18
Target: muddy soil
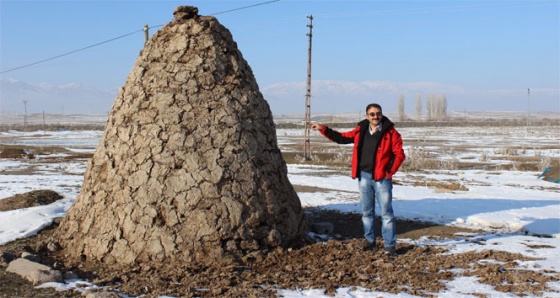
x=334 y=261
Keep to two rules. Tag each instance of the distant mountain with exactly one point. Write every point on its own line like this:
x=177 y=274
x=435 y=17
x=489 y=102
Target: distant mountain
x=50 y=98
x=349 y=97
x=288 y=98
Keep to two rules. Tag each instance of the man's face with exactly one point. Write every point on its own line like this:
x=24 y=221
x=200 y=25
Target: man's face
x=374 y=116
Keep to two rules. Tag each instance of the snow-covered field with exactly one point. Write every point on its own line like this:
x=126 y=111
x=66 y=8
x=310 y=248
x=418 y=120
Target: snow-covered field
x=517 y=210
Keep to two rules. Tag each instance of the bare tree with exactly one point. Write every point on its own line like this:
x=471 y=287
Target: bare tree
x=401 y=115
x=436 y=104
x=418 y=107
x=440 y=107
x=429 y=107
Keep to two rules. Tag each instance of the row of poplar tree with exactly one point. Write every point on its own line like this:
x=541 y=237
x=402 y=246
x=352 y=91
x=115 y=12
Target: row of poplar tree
x=436 y=107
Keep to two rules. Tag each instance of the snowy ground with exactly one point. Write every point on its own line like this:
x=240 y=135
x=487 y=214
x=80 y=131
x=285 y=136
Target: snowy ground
x=517 y=210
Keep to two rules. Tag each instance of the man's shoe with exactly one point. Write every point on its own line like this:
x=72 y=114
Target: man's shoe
x=390 y=251
x=366 y=245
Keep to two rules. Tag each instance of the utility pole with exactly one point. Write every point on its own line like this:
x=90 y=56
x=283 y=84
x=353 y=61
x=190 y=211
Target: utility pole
x=307 y=145
x=146 y=33
x=528 y=106
x=25 y=112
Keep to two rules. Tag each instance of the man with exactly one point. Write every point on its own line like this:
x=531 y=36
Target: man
x=376 y=157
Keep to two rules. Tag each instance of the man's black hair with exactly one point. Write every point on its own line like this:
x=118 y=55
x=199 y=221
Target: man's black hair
x=374 y=105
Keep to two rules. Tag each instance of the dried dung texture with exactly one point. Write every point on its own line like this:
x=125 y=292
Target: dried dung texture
x=421 y=270
x=188 y=169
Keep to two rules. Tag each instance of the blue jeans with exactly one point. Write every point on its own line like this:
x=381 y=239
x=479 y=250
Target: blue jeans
x=382 y=191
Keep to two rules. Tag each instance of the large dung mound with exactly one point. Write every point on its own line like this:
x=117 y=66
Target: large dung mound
x=188 y=168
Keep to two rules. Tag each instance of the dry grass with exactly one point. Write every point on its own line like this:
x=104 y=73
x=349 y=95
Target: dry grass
x=433 y=153
x=420 y=158
x=441 y=186
x=40 y=155
x=423 y=153
x=51 y=127
x=25 y=151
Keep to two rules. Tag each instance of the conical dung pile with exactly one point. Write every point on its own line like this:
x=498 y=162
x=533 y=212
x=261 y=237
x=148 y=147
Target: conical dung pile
x=188 y=168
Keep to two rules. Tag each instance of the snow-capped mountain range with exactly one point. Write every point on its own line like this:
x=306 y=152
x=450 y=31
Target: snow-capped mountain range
x=51 y=98
x=340 y=96
x=288 y=98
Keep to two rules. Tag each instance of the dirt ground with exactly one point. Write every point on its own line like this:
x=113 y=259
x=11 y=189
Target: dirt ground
x=331 y=263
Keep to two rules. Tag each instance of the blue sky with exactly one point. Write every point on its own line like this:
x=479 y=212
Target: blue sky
x=478 y=46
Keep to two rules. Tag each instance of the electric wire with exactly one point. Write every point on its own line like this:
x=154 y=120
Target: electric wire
x=71 y=52
x=460 y=8
x=122 y=36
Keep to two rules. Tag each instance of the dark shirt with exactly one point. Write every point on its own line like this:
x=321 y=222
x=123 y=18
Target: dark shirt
x=368 y=150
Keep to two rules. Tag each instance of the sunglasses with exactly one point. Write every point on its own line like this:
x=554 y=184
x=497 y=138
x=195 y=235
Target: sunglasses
x=372 y=114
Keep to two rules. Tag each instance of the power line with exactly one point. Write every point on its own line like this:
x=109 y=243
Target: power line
x=119 y=37
x=71 y=52
x=245 y=7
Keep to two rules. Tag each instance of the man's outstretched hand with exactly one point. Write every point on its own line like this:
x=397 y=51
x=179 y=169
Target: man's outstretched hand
x=316 y=126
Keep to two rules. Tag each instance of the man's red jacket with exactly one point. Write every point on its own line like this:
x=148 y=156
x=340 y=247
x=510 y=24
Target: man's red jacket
x=390 y=154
